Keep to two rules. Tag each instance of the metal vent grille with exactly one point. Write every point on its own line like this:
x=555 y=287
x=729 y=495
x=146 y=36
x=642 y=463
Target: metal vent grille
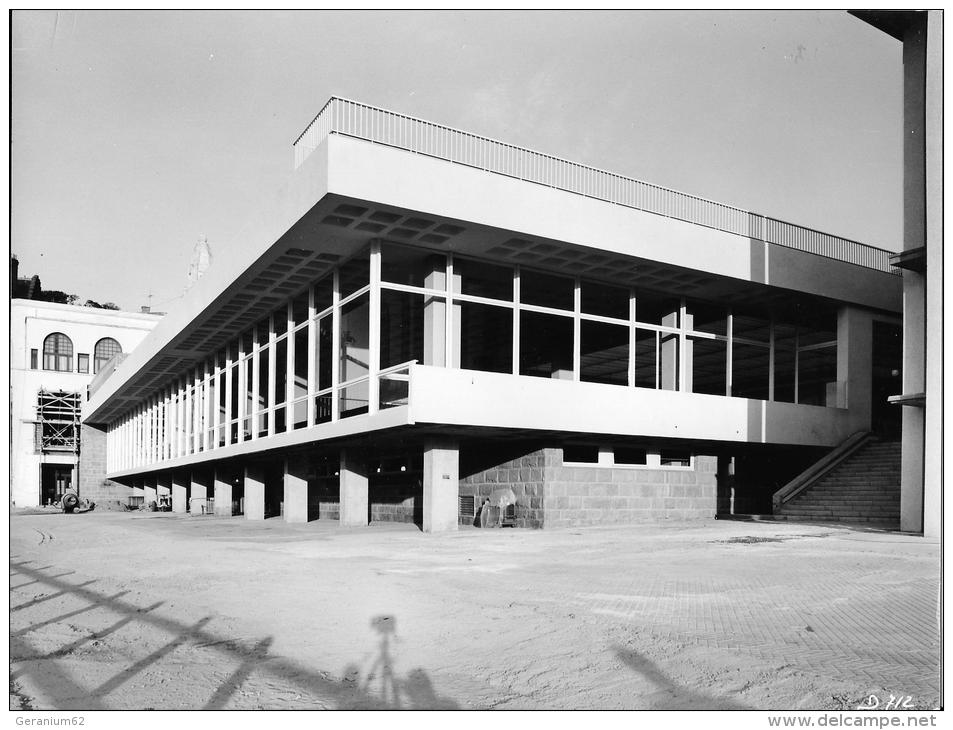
x=467 y=506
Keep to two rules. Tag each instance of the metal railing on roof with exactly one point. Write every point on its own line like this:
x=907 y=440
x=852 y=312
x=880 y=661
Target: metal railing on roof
x=362 y=121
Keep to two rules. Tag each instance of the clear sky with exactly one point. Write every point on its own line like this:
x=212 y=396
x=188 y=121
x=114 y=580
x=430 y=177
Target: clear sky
x=134 y=132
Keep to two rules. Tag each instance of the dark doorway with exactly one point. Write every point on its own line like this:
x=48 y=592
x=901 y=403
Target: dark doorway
x=54 y=480
x=886 y=360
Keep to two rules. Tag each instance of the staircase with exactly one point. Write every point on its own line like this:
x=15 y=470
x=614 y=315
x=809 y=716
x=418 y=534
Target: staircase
x=864 y=488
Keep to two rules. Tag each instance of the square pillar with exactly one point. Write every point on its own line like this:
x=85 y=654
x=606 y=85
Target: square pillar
x=353 y=481
x=222 y=490
x=149 y=491
x=441 y=484
x=180 y=493
x=254 y=493
x=854 y=374
x=668 y=354
x=296 y=491
x=198 y=496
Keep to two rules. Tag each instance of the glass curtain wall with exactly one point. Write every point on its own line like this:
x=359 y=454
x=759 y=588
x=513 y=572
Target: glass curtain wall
x=343 y=348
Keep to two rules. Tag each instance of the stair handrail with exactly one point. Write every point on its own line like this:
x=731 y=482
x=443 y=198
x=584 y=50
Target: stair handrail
x=820 y=468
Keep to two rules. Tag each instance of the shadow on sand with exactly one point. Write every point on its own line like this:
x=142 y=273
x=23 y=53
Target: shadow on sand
x=380 y=689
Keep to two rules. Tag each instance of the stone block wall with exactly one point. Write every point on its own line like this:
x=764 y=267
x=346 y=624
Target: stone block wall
x=524 y=474
x=396 y=498
x=583 y=495
x=91 y=480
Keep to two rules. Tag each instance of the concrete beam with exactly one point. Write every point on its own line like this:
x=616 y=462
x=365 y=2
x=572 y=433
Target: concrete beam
x=441 y=484
x=353 y=488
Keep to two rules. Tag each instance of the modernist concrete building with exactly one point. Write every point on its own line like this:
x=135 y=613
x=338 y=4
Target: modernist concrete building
x=422 y=316
x=56 y=350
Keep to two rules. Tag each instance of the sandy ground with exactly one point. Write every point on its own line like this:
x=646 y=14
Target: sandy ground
x=141 y=610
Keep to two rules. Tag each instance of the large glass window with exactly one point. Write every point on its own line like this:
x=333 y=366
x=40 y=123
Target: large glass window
x=281 y=383
x=546 y=346
x=412 y=325
x=646 y=358
x=300 y=387
x=482 y=280
x=817 y=376
x=486 y=338
x=104 y=351
x=749 y=326
x=413 y=267
x=299 y=308
x=323 y=294
x=58 y=353
x=707 y=317
x=355 y=340
x=604 y=356
x=546 y=290
x=605 y=300
x=354 y=399
x=657 y=309
x=709 y=358
x=750 y=371
x=323 y=347
x=263 y=368
x=785 y=344
x=355 y=274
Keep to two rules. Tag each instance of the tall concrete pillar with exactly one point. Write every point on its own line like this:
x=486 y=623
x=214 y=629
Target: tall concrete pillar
x=198 y=496
x=254 y=493
x=353 y=488
x=441 y=484
x=180 y=492
x=149 y=490
x=296 y=491
x=668 y=354
x=854 y=373
x=435 y=324
x=222 y=491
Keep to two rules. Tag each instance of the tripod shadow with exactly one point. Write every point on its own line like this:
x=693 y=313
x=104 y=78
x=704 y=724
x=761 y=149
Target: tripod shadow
x=383 y=688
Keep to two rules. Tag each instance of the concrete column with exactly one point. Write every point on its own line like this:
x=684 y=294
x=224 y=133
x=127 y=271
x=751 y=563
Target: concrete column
x=149 y=491
x=441 y=484
x=854 y=374
x=222 y=489
x=436 y=329
x=933 y=416
x=353 y=489
x=254 y=493
x=296 y=491
x=198 y=497
x=668 y=354
x=180 y=493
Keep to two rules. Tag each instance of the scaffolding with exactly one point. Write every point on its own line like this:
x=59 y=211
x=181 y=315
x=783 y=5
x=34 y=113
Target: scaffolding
x=57 y=421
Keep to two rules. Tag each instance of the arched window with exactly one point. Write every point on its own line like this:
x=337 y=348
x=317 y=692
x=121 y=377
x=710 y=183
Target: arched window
x=58 y=352
x=106 y=349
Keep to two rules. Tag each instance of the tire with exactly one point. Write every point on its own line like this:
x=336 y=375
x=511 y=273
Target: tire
x=69 y=501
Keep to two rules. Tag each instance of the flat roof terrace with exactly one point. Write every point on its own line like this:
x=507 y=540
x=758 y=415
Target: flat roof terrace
x=373 y=124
